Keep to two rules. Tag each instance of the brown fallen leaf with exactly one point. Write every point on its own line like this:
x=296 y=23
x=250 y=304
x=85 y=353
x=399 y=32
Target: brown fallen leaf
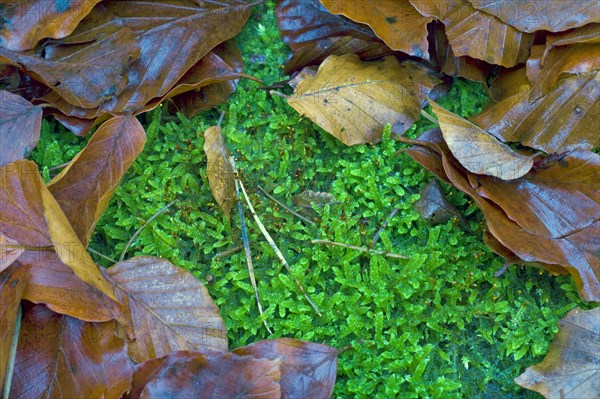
x=477 y=34
x=60 y=356
x=570 y=369
x=308 y=369
x=20 y=124
x=433 y=207
x=12 y=284
x=207 y=374
x=396 y=22
x=27 y=22
x=167 y=307
x=218 y=169
x=588 y=34
x=478 y=151
x=84 y=188
x=10 y=250
x=550 y=15
x=354 y=100
x=562 y=120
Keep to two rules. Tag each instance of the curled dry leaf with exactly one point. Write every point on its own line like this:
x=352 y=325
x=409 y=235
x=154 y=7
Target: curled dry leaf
x=308 y=369
x=167 y=307
x=218 y=169
x=562 y=120
x=20 y=124
x=354 y=100
x=478 y=34
x=60 y=356
x=27 y=22
x=396 y=22
x=84 y=188
x=207 y=374
x=550 y=15
x=478 y=151
x=570 y=369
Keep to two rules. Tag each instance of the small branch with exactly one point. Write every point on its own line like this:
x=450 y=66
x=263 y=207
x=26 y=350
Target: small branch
x=285 y=207
x=92 y=250
x=383 y=227
x=228 y=252
x=163 y=209
x=361 y=249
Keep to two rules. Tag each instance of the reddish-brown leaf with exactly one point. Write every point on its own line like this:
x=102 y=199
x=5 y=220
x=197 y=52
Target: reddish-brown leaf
x=313 y=34
x=87 y=68
x=570 y=369
x=477 y=34
x=562 y=120
x=60 y=356
x=27 y=22
x=207 y=374
x=12 y=284
x=84 y=188
x=20 y=124
x=167 y=307
x=396 y=22
x=550 y=15
x=308 y=370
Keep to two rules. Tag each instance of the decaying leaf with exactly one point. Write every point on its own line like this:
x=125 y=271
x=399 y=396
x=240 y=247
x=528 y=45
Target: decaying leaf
x=433 y=206
x=60 y=356
x=218 y=169
x=207 y=374
x=396 y=22
x=308 y=369
x=562 y=120
x=68 y=247
x=10 y=250
x=550 y=15
x=84 y=188
x=168 y=308
x=20 y=124
x=307 y=198
x=478 y=151
x=478 y=34
x=354 y=100
x=571 y=369
x=25 y=23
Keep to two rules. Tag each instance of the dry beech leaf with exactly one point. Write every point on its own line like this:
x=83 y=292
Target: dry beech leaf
x=570 y=369
x=562 y=120
x=62 y=357
x=68 y=247
x=12 y=284
x=27 y=22
x=587 y=34
x=10 y=250
x=550 y=15
x=219 y=170
x=313 y=34
x=308 y=369
x=21 y=212
x=20 y=124
x=478 y=151
x=353 y=100
x=84 y=188
x=396 y=22
x=207 y=374
x=168 y=308
x=84 y=70
x=477 y=34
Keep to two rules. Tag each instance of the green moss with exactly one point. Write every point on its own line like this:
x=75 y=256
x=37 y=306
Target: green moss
x=437 y=325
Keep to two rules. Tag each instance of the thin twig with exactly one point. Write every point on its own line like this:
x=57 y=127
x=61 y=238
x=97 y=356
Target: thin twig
x=247 y=251
x=383 y=227
x=163 y=209
x=92 y=250
x=285 y=207
x=228 y=252
x=430 y=118
x=361 y=249
x=12 y=353
x=272 y=243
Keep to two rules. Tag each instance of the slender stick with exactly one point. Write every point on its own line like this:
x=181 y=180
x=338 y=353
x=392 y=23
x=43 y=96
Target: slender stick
x=92 y=250
x=228 y=252
x=12 y=353
x=361 y=249
x=272 y=243
x=163 y=209
x=248 y=253
x=290 y=210
x=383 y=227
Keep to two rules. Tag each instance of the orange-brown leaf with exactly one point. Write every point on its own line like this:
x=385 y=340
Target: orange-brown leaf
x=570 y=369
x=84 y=188
x=20 y=124
x=167 y=307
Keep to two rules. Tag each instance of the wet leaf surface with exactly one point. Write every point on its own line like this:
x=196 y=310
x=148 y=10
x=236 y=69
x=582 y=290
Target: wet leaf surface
x=20 y=124
x=571 y=369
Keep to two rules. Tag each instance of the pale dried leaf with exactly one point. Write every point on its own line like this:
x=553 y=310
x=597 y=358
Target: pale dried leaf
x=10 y=250
x=218 y=169
x=20 y=124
